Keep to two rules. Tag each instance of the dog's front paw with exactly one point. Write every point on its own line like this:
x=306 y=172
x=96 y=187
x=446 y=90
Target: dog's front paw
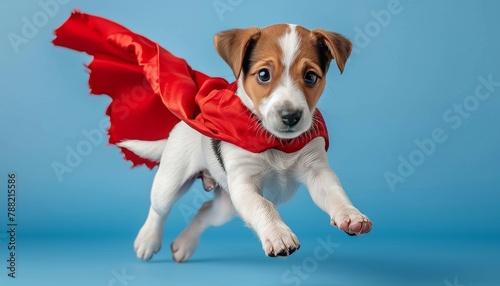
x=280 y=241
x=147 y=243
x=352 y=221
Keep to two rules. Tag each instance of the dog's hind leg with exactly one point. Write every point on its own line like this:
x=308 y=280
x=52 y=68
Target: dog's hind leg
x=212 y=213
x=179 y=167
x=149 y=239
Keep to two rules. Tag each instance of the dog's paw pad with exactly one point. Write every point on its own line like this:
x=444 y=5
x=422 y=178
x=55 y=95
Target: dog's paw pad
x=281 y=243
x=352 y=222
x=288 y=251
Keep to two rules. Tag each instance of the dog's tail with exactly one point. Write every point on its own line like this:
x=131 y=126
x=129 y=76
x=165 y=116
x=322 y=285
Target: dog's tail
x=151 y=150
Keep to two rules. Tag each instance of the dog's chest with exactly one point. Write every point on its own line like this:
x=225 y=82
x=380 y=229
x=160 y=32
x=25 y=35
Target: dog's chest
x=279 y=179
x=274 y=171
x=279 y=186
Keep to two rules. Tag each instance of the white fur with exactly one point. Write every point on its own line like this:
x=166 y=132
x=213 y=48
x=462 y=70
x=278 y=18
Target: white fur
x=250 y=184
x=254 y=183
x=242 y=94
x=289 y=44
x=286 y=93
x=150 y=150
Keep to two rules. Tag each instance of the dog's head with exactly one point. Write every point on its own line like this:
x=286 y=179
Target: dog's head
x=281 y=71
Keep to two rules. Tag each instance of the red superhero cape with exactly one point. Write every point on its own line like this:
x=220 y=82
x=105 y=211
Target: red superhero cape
x=152 y=91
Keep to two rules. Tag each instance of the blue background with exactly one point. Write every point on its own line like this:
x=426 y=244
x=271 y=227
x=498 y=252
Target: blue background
x=437 y=227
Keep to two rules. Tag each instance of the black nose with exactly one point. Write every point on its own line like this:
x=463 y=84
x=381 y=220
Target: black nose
x=291 y=117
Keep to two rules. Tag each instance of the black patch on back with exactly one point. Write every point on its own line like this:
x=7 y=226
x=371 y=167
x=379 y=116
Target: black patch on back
x=216 y=146
x=247 y=58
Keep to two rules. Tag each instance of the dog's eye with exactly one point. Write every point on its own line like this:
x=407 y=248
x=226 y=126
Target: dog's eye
x=310 y=78
x=264 y=75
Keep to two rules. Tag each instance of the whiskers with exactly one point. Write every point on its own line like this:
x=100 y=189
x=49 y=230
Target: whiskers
x=314 y=129
x=256 y=127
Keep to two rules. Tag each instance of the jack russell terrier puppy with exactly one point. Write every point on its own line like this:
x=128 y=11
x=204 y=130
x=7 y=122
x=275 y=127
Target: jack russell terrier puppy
x=281 y=73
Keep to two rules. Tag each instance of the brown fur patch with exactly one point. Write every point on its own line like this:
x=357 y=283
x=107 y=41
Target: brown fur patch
x=267 y=53
x=308 y=59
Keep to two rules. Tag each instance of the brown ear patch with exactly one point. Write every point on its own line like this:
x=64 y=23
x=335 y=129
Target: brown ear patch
x=232 y=45
x=263 y=53
x=339 y=47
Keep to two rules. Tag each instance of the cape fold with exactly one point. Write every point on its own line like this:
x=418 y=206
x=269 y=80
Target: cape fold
x=153 y=90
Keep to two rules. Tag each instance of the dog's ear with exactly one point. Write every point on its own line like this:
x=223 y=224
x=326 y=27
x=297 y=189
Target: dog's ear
x=232 y=45
x=338 y=47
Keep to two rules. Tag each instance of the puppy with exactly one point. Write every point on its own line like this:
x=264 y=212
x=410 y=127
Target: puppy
x=281 y=72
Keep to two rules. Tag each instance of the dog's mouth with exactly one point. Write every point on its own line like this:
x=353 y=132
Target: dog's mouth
x=288 y=130
x=287 y=133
